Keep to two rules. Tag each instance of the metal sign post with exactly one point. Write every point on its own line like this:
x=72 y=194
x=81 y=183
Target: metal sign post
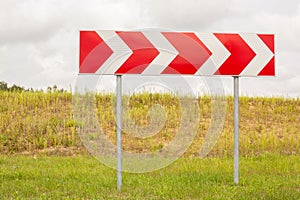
x=119 y=130
x=236 y=128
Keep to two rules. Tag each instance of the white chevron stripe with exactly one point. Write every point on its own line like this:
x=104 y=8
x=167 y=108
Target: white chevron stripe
x=121 y=52
x=263 y=54
x=218 y=57
x=164 y=58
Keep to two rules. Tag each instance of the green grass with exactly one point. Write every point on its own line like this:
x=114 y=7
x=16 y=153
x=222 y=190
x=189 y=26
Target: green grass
x=83 y=177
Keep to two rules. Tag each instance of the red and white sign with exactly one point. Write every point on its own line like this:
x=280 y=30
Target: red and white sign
x=160 y=53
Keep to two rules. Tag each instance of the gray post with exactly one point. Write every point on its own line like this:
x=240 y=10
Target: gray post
x=236 y=129
x=119 y=131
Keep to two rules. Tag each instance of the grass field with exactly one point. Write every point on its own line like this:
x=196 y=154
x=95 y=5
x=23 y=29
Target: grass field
x=42 y=157
x=35 y=121
x=83 y=177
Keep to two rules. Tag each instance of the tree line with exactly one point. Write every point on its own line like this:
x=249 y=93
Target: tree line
x=16 y=88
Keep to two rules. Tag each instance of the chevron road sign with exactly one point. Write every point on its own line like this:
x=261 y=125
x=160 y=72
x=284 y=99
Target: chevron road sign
x=162 y=53
x=158 y=53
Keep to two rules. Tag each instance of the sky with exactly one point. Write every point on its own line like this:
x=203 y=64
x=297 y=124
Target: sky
x=39 y=39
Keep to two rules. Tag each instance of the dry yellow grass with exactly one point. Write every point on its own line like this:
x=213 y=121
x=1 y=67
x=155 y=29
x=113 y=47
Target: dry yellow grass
x=33 y=121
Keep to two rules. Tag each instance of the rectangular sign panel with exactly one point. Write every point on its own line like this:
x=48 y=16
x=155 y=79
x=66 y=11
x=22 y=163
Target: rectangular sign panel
x=176 y=53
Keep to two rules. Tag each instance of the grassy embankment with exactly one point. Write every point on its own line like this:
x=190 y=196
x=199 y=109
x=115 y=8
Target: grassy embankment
x=41 y=124
x=35 y=121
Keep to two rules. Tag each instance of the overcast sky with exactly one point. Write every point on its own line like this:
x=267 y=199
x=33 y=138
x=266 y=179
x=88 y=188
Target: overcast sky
x=39 y=39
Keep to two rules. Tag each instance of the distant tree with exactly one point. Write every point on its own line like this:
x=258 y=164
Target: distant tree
x=49 y=89
x=16 y=88
x=3 y=86
x=54 y=88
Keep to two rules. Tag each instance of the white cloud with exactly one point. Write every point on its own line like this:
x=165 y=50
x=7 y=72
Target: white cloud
x=28 y=21
x=185 y=15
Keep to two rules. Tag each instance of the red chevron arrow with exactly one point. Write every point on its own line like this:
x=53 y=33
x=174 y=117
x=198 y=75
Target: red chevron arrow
x=241 y=54
x=143 y=53
x=93 y=52
x=192 y=53
x=269 y=69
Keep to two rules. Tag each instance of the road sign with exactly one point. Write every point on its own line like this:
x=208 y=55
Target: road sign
x=162 y=53
x=176 y=53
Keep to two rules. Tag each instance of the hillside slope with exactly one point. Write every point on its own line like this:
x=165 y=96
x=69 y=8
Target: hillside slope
x=32 y=122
